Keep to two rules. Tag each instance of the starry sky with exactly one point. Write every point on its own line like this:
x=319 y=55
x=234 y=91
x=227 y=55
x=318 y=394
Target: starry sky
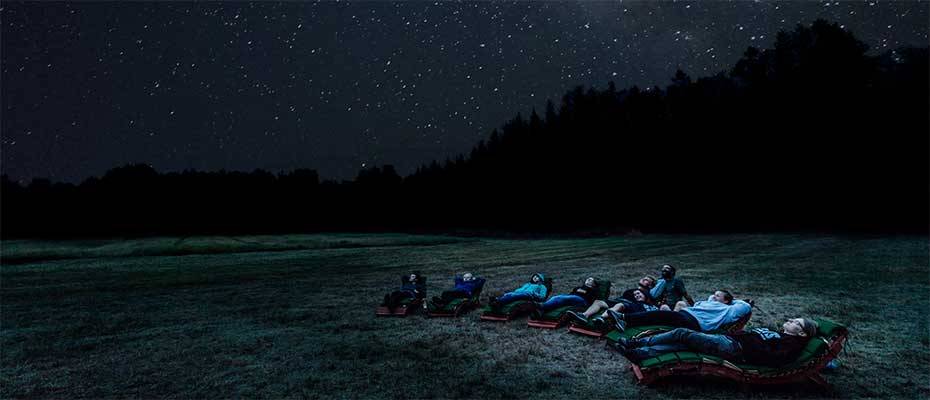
x=338 y=86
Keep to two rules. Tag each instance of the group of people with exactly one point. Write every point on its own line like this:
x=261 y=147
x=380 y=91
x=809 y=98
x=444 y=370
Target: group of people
x=663 y=301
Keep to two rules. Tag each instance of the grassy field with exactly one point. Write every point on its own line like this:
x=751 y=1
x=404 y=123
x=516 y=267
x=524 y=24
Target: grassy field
x=293 y=316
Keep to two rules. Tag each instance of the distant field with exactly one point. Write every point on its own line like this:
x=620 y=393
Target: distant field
x=293 y=316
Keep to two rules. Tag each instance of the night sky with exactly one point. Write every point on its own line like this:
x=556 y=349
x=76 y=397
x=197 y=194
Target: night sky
x=336 y=86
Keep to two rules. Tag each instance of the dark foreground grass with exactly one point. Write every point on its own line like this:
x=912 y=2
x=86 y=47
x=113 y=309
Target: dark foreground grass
x=293 y=316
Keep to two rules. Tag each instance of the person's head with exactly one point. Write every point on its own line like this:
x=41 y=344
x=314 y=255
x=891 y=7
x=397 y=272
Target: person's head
x=668 y=271
x=723 y=296
x=413 y=276
x=589 y=282
x=800 y=327
x=467 y=276
x=536 y=278
x=647 y=282
x=639 y=295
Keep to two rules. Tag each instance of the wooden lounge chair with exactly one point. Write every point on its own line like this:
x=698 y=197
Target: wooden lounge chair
x=406 y=306
x=456 y=307
x=820 y=350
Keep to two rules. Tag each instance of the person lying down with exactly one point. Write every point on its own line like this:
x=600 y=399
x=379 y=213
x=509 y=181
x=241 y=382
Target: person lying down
x=757 y=346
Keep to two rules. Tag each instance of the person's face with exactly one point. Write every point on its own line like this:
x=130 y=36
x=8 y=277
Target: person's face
x=667 y=271
x=589 y=282
x=413 y=277
x=535 y=279
x=639 y=296
x=467 y=277
x=794 y=326
x=646 y=282
x=719 y=297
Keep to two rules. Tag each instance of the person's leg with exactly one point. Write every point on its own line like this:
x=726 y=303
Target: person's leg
x=511 y=297
x=681 y=305
x=450 y=295
x=553 y=302
x=595 y=308
x=686 y=339
x=395 y=297
x=560 y=301
x=668 y=318
x=619 y=307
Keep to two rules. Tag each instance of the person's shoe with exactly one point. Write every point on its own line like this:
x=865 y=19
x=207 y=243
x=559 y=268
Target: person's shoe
x=577 y=317
x=636 y=355
x=598 y=323
x=619 y=323
x=621 y=345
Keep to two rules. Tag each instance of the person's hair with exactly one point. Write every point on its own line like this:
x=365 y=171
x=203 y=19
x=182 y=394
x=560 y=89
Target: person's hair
x=727 y=296
x=809 y=326
x=652 y=279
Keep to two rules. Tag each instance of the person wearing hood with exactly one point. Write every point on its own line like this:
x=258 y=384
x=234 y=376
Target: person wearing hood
x=534 y=290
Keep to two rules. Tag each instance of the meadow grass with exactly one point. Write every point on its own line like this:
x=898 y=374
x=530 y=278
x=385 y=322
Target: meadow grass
x=293 y=315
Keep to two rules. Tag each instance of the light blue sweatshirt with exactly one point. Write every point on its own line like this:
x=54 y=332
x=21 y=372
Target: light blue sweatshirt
x=536 y=289
x=712 y=314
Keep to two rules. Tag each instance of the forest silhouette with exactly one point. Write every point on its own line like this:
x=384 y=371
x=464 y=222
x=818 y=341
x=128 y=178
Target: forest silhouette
x=813 y=134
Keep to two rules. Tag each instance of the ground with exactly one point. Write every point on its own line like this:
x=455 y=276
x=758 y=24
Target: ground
x=293 y=316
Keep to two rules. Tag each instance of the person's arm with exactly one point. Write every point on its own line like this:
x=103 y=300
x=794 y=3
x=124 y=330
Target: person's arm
x=742 y=306
x=656 y=291
x=540 y=291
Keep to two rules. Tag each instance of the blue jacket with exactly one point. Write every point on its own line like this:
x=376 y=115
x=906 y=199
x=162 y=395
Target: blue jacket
x=538 y=290
x=468 y=287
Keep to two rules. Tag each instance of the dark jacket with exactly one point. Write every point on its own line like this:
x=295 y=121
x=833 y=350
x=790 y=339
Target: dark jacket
x=589 y=294
x=468 y=287
x=769 y=348
x=415 y=288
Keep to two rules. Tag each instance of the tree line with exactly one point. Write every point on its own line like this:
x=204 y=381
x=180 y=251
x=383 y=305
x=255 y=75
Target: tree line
x=813 y=134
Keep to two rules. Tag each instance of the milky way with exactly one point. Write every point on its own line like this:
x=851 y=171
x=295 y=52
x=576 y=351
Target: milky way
x=338 y=86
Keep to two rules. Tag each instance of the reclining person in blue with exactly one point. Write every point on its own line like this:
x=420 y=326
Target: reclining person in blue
x=411 y=288
x=465 y=287
x=534 y=290
x=758 y=346
x=719 y=310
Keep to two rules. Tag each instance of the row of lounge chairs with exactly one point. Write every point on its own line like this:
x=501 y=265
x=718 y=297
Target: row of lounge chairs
x=820 y=350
